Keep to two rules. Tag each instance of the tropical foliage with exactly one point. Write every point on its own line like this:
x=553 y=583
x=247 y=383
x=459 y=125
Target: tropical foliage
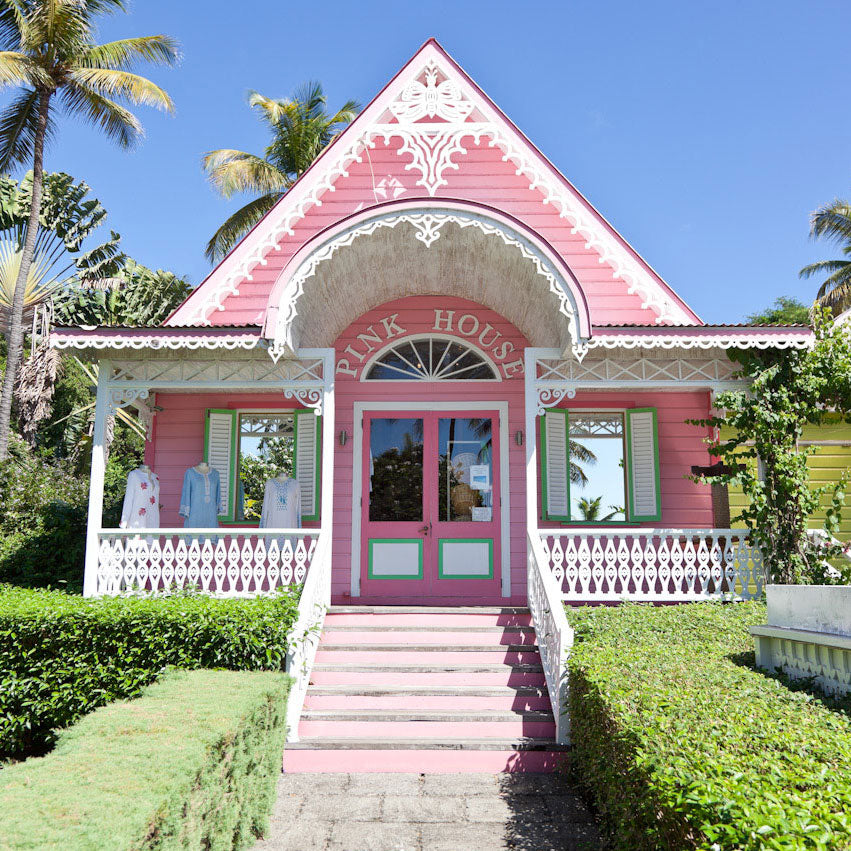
x=764 y=456
x=301 y=128
x=833 y=223
x=591 y=510
x=67 y=218
x=135 y=296
x=784 y=311
x=50 y=57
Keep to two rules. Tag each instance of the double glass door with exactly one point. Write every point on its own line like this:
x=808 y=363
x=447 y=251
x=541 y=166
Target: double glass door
x=431 y=513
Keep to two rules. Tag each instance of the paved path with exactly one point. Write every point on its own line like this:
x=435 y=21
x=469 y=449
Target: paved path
x=427 y=812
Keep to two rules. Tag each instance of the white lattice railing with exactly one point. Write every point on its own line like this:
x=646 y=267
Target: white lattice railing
x=223 y=562
x=553 y=634
x=662 y=565
x=304 y=636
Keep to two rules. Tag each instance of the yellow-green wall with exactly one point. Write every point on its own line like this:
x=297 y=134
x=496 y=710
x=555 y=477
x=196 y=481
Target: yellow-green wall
x=827 y=464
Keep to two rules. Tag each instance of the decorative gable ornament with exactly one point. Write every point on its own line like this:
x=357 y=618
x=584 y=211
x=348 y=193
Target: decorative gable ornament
x=431 y=106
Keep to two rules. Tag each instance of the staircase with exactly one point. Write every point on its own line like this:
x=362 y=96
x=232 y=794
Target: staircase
x=426 y=690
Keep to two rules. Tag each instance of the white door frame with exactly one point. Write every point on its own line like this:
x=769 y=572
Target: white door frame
x=427 y=405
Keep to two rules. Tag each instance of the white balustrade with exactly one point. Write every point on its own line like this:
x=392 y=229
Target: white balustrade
x=553 y=634
x=304 y=636
x=225 y=562
x=660 y=565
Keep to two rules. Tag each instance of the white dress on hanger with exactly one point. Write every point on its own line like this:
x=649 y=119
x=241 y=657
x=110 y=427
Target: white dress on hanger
x=281 y=505
x=141 y=500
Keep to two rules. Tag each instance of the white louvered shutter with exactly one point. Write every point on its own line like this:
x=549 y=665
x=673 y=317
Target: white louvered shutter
x=554 y=465
x=308 y=431
x=642 y=447
x=219 y=451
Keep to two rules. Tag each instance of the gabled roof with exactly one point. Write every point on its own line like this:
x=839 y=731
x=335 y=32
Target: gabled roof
x=430 y=127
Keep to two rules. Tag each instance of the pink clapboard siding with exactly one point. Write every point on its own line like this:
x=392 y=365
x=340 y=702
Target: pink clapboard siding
x=482 y=176
x=417 y=316
x=685 y=504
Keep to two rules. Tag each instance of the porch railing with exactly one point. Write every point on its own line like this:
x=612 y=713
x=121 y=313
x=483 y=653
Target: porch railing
x=660 y=565
x=224 y=562
x=553 y=634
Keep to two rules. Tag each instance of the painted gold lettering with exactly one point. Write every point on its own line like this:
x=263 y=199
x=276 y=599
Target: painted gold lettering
x=513 y=368
x=474 y=327
x=344 y=367
x=391 y=329
x=441 y=324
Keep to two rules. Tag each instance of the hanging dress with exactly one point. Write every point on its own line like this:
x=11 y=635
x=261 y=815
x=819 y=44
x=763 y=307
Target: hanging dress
x=141 y=508
x=199 y=500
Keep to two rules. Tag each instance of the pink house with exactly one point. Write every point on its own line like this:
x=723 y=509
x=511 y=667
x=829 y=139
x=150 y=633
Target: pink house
x=480 y=387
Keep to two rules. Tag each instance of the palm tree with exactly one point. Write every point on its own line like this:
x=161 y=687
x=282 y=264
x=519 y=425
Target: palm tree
x=301 y=128
x=48 y=52
x=833 y=222
x=590 y=510
x=581 y=453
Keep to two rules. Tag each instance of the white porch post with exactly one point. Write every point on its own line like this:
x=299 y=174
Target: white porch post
x=328 y=451
x=531 y=398
x=96 y=479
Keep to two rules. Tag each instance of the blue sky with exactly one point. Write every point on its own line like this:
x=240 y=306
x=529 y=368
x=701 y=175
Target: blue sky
x=705 y=132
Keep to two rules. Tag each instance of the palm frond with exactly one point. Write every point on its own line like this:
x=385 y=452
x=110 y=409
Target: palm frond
x=232 y=171
x=822 y=266
x=125 y=53
x=17 y=69
x=18 y=124
x=832 y=222
x=117 y=123
x=238 y=224
x=12 y=23
x=134 y=88
x=827 y=291
x=273 y=110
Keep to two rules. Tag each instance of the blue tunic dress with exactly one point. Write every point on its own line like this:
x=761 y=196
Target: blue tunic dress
x=199 y=501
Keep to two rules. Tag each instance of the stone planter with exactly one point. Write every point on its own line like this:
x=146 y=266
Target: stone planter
x=808 y=634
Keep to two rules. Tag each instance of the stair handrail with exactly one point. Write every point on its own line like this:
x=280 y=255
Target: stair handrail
x=553 y=633
x=304 y=636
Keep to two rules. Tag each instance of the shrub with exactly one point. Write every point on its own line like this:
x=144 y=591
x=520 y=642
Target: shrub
x=62 y=656
x=190 y=764
x=683 y=744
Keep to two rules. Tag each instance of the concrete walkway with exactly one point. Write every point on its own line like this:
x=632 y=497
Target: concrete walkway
x=427 y=812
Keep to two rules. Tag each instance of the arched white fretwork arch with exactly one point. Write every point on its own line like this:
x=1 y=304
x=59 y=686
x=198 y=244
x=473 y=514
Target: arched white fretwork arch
x=422 y=224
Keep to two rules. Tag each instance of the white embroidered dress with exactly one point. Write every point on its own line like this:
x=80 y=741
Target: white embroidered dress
x=281 y=505
x=141 y=500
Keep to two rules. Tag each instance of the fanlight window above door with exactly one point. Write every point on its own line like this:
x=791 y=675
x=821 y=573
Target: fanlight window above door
x=431 y=359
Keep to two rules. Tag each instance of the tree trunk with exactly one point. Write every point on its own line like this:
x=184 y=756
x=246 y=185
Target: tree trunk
x=15 y=335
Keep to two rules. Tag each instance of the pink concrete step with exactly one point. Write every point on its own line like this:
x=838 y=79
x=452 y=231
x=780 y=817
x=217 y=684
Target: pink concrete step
x=429 y=620
x=504 y=677
x=438 y=638
x=448 y=730
x=298 y=761
x=408 y=702
x=354 y=656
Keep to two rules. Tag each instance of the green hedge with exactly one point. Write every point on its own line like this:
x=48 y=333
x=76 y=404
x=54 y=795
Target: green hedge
x=62 y=656
x=190 y=764
x=683 y=744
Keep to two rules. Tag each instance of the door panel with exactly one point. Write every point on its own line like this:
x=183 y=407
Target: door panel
x=430 y=505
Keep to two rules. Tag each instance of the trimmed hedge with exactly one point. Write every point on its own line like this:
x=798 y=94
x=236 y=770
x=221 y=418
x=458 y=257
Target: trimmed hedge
x=190 y=764
x=62 y=656
x=683 y=744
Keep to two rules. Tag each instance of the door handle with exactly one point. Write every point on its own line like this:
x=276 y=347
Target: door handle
x=426 y=530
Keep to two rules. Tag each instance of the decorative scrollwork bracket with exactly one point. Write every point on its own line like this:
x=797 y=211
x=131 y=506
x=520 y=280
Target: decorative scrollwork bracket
x=549 y=397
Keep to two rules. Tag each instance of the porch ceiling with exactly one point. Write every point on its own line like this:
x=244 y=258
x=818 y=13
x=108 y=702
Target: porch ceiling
x=488 y=265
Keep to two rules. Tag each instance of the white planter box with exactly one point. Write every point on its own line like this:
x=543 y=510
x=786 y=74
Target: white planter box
x=818 y=608
x=808 y=634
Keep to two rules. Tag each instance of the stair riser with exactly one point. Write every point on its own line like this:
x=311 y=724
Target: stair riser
x=421 y=762
x=448 y=730
x=429 y=620
x=426 y=657
x=448 y=640
x=448 y=703
x=450 y=678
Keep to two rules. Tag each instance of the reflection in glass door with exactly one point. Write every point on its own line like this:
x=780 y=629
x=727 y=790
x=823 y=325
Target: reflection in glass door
x=430 y=510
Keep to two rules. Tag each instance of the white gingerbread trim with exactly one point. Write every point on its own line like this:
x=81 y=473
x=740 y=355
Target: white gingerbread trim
x=426 y=228
x=155 y=342
x=431 y=144
x=715 y=341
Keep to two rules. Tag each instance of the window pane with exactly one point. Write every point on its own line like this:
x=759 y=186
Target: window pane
x=597 y=474
x=434 y=359
x=265 y=451
x=465 y=469
x=396 y=469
